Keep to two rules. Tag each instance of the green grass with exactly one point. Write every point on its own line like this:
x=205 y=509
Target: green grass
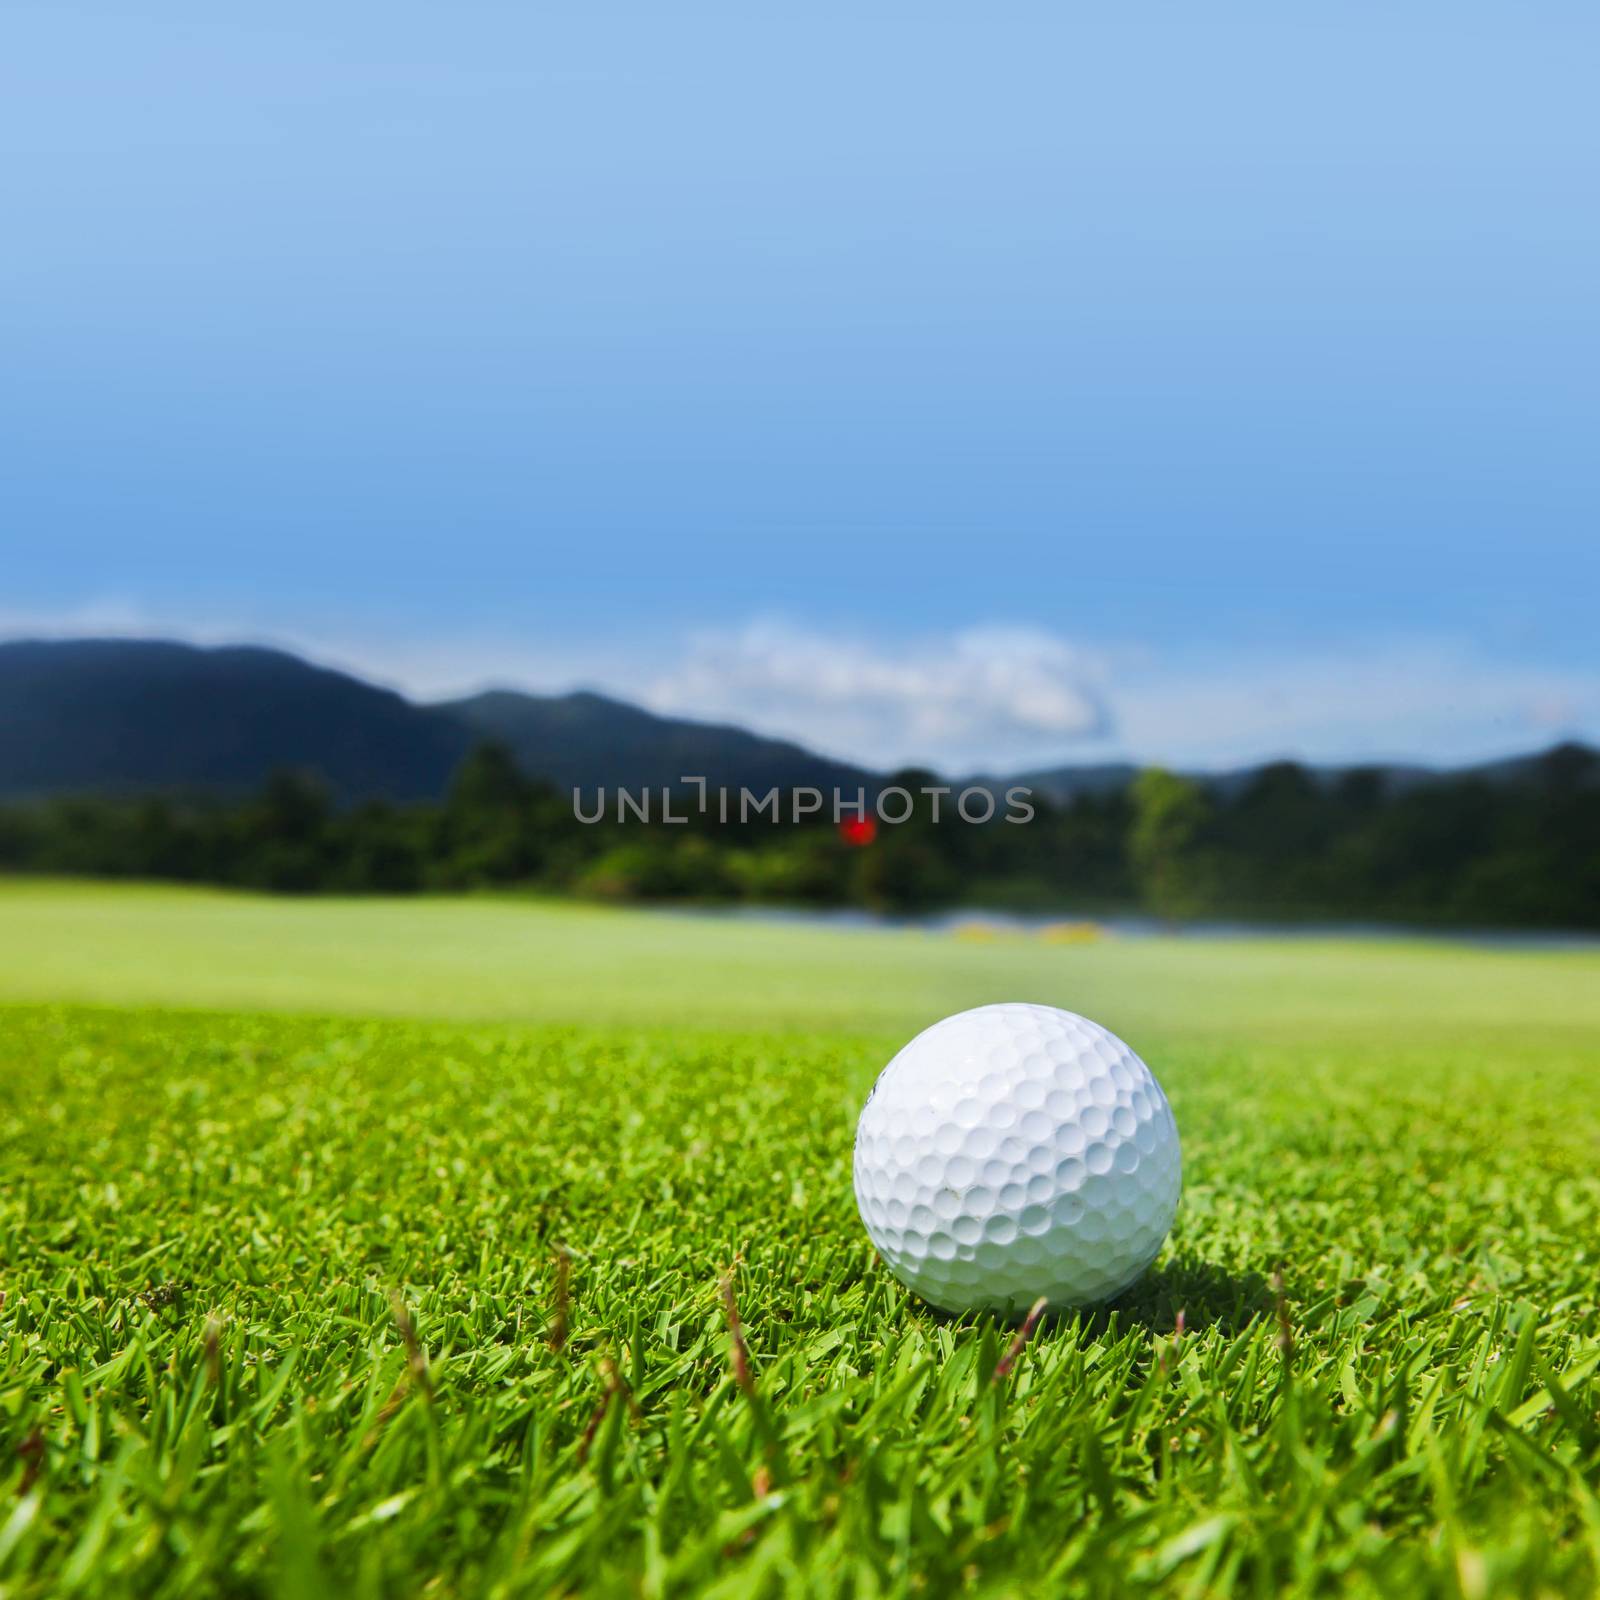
x=219 y=1227
x=500 y=958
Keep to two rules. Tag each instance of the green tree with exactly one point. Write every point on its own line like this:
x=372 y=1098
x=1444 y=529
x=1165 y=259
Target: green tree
x=489 y=826
x=902 y=873
x=1166 y=844
x=281 y=838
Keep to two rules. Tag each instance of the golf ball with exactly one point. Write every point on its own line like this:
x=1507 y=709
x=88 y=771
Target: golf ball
x=1016 y=1151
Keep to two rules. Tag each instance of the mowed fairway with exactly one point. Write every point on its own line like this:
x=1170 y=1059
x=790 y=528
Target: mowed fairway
x=377 y=1248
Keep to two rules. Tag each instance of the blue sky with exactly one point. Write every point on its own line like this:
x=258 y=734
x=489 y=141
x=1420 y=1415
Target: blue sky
x=923 y=381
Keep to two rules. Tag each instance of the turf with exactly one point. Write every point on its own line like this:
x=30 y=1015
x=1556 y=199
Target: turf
x=484 y=959
x=376 y=1305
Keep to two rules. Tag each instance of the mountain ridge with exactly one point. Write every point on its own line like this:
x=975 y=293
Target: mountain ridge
x=659 y=749
x=102 y=716
x=133 y=715
x=108 y=716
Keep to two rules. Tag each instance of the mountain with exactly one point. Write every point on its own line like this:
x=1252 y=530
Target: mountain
x=136 y=716
x=1573 y=763
x=129 y=715
x=1062 y=785
x=586 y=739
x=1568 y=765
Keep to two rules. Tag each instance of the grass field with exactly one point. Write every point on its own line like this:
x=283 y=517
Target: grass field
x=377 y=1248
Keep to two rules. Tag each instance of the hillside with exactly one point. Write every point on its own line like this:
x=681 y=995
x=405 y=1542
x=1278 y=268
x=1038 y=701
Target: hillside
x=585 y=739
x=123 y=716
x=128 y=716
x=1063 y=785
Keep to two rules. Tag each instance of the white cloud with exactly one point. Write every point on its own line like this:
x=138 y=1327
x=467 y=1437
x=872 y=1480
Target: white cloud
x=1000 y=699
x=982 y=696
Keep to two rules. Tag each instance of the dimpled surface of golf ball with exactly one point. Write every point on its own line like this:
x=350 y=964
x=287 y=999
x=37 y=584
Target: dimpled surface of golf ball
x=1013 y=1152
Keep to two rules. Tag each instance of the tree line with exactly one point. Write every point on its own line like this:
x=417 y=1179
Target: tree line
x=1285 y=844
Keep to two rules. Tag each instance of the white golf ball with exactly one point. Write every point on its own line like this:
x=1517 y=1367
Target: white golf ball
x=1016 y=1151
